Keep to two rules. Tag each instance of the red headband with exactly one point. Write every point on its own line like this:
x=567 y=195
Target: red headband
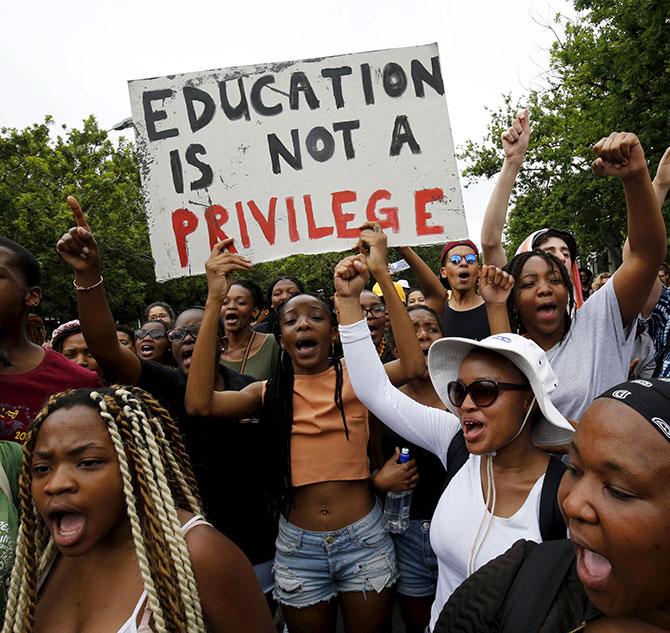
x=449 y=245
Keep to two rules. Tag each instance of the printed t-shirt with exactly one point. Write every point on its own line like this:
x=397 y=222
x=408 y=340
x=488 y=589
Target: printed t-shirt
x=472 y=324
x=22 y=395
x=594 y=355
x=225 y=461
x=10 y=457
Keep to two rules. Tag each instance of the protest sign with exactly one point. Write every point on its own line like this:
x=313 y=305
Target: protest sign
x=291 y=157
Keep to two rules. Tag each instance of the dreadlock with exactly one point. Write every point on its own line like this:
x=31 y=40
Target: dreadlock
x=277 y=412
x=515 y=268
x=156 y=477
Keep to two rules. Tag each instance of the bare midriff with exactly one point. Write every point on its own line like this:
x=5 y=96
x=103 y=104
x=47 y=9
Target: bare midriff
x=330 y=505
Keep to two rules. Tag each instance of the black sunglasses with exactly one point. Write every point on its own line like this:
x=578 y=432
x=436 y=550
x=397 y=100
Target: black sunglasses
x=155 y=333
x=483 y=392
x=180 y=333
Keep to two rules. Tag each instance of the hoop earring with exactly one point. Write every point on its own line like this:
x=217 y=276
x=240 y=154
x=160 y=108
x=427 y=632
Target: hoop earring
x=282 y=356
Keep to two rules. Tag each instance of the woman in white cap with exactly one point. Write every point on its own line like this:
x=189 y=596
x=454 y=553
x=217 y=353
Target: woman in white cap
x=497 y=391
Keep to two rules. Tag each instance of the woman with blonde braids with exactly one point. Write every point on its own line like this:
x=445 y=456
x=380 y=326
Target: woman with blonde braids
x=112 y=539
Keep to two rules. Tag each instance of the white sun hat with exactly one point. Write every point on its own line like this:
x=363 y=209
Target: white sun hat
x=446 y=355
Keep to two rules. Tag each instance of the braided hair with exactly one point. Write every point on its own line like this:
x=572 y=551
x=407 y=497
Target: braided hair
x=515 y=268
x=277 y=412
x=156 y=478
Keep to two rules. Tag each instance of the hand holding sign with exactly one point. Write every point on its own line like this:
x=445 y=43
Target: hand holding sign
x=372 y=244
x=219 y=268
x=351 y=276
x=78 y=247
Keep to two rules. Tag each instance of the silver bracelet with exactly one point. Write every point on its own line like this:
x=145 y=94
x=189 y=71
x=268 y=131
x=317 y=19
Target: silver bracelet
x=82 y=289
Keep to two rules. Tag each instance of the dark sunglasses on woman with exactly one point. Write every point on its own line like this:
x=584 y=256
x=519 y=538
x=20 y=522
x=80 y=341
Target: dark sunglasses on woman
x=156 y=333
x=180 y=333
x=483 y=392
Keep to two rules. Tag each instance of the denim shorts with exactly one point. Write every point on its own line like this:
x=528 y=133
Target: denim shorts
x=312 y=567
x=264 y=575
x=417 y=562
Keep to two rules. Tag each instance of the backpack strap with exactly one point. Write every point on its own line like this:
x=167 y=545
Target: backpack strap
x=457 y=455
x=552 y=524
x=535 y=587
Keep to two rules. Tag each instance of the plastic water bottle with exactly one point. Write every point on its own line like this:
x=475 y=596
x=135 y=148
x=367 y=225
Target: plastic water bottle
x=396 y=506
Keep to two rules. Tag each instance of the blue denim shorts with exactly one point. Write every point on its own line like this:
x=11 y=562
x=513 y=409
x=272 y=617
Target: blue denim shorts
x=417 y=562
x=312 y=567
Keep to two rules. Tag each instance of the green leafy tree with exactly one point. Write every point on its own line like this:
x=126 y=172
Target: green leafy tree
x=609 y=72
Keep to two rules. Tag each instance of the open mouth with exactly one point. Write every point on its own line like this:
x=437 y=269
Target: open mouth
x=306 y=345
x=547 y=311
x=66 y=527
x=472 y=430
x=464 y=276
x=147 y=349
x=593 y=569
x=231 y=318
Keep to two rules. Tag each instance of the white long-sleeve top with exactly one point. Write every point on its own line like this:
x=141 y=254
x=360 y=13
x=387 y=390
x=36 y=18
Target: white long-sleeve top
x=461 y=507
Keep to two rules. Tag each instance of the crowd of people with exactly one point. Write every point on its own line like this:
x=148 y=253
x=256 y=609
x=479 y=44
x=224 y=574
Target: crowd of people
x=230 y=466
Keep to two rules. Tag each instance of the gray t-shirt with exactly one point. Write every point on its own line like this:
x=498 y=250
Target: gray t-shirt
x=595 y=354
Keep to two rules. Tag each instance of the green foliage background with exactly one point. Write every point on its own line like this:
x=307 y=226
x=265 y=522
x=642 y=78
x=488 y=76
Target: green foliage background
x=609 y=71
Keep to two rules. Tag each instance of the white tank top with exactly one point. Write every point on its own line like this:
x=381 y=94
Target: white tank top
x=131 y=625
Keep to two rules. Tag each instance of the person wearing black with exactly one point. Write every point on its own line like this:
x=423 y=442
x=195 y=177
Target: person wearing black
x=230 y=481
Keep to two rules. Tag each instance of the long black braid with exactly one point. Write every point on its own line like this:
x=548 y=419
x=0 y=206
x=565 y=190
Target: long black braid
x=277 y=413
x=515 y=268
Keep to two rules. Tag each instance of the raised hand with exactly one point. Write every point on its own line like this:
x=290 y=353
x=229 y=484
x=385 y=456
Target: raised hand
x=219 y=268
x=78 y=247
x=395 y=476
x=350 y=277
x=619 y=154
x=372 y=244
x=495 y=284
x=662 y=178
x=515 y=139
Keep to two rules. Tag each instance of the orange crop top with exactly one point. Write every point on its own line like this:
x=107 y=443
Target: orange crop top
x=320 y=450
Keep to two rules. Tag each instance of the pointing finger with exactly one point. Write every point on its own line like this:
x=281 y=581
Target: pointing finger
x=78 y=214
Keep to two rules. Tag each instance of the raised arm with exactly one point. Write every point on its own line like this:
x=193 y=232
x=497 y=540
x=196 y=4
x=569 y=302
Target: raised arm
x=662 y=179
x=201 y=399
x=621 y=155
x=515 y=143
x=433 y=290
x=411 y=362
x=424 y=426
x=495 y=286
x=79 y=250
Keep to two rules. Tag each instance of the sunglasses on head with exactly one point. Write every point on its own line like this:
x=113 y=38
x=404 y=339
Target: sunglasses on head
x=155 y=334
x=483 y=392
x=376 y=310
x=180 y=333
x=470 y=258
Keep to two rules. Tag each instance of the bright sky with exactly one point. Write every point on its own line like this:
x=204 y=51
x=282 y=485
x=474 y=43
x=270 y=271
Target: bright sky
x=73 y=58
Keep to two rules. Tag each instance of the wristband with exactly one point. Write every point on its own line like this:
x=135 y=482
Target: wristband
x=87 y=288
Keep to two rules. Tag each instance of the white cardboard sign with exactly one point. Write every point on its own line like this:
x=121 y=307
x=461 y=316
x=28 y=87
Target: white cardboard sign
x=291 y=157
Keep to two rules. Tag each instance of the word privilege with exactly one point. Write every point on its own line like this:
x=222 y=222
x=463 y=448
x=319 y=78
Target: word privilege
x=295 y=217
